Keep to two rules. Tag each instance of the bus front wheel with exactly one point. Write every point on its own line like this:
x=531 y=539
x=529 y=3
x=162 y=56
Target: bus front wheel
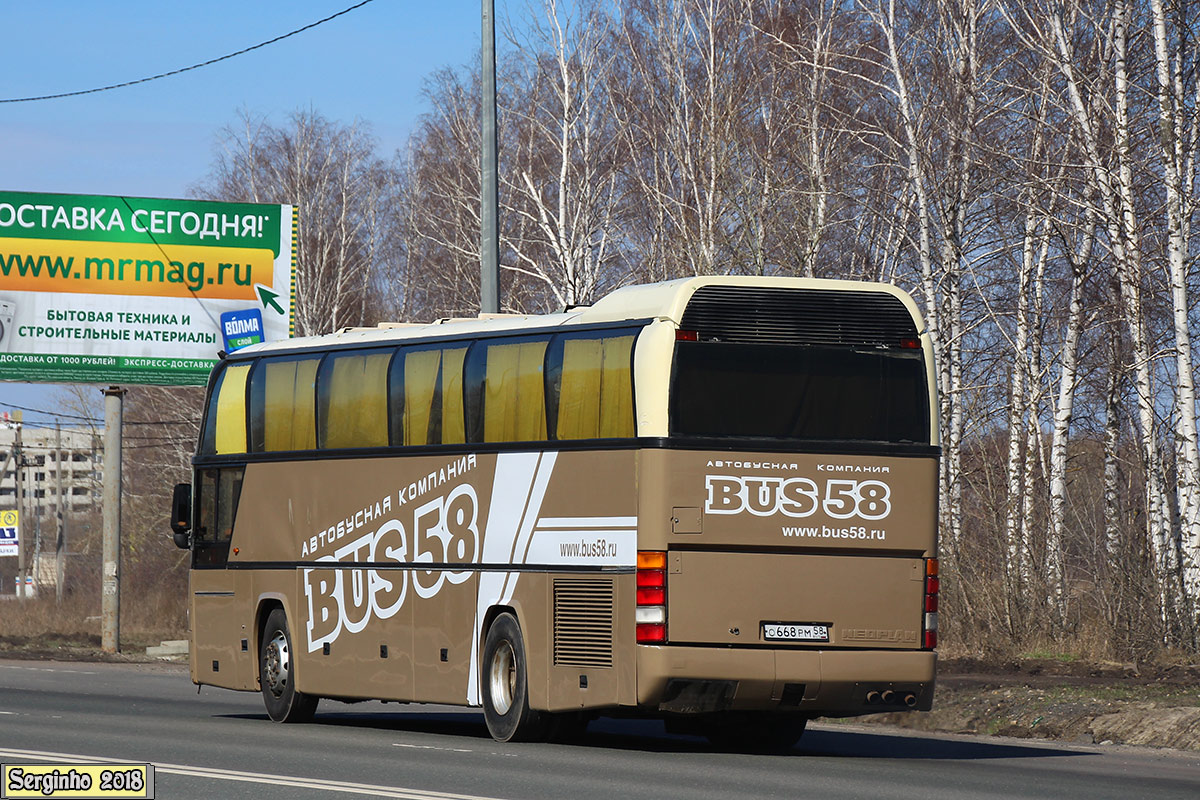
x=506 y=685
x=277 y=673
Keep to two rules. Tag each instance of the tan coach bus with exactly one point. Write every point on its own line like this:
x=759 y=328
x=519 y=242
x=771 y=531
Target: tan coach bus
x=711 y=500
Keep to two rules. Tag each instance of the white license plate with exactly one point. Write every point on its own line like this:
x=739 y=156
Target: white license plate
x=795 y=632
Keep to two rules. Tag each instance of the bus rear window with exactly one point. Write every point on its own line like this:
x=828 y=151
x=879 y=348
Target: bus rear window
x=799 y=392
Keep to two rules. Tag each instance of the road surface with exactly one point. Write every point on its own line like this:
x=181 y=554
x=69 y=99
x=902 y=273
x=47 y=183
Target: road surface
x=220 y=744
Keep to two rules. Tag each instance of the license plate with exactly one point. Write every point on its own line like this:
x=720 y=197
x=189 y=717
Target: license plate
x=795 y=632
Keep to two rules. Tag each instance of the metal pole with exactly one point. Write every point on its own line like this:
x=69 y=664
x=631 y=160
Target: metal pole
x=22 y=519
x=60 y=533
x=39 y=491
x=489 y=235
x=110 y=611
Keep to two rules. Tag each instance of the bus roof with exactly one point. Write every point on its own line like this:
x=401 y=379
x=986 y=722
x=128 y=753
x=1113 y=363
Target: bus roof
x=651 y=301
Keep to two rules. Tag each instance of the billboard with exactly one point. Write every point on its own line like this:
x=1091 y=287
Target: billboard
x=132 y=290
x=9 y=532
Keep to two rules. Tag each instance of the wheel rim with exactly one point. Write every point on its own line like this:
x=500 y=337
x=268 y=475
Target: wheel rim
x=277 y=664
x=503 y=678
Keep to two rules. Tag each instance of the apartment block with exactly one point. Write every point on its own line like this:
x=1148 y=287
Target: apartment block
x=80 y=462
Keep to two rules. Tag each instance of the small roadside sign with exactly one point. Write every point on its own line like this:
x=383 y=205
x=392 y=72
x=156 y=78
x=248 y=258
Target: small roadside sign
x=9 y=532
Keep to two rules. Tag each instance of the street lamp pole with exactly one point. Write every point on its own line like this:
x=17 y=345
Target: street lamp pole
x=489 y=236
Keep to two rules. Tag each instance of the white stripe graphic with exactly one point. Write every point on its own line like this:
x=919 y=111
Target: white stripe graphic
x=518 y=490
x=540 y=481
x=344 y=787
x=587 y=522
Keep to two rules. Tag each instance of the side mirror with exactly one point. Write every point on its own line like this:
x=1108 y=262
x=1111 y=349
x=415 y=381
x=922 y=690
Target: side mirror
x=181 y=515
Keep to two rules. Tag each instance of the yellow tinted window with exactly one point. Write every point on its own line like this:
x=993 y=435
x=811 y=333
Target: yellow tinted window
x=453 y=422
x=231 y=411
x=514 y=403
x=354 y=400
x=289 y=421
x=596 y=398
x=616 y=388
x=420 y=383
x=433 y=398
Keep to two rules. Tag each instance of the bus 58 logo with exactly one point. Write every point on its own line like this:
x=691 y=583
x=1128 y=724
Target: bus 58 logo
x=445 y=531
x=797 y=497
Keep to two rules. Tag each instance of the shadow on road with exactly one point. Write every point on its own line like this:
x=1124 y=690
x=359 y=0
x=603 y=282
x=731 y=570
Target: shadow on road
x=650 y=736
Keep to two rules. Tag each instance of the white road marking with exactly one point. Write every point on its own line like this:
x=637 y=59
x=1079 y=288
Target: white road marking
x=247 y=777
x=451 y=749
x=9 y=713
x=432 y=747
x=48 y=669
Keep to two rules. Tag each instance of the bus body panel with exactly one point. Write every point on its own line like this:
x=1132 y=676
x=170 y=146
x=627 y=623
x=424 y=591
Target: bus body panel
x=827 y=682
x=219 y=599
x=789 y=501
x=757 y=537
x=858 y=601
x=514 y=530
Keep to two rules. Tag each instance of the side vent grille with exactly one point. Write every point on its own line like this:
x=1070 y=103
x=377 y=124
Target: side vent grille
x=746 y=315
x=583 y=623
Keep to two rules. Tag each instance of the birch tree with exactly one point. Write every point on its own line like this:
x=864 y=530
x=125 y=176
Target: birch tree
x=564 y=182
x=1174 y=51
x=331 y=172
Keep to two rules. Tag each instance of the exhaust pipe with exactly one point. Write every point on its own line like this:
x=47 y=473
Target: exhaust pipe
x=888 y=697
x=910 y=700
x=872 y=697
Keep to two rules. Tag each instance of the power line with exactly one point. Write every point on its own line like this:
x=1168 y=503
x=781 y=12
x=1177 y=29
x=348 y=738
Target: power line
x=210 y=62
x=55 y=414
x=64 y=415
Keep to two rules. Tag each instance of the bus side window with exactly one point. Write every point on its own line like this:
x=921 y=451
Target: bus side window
x=591 y=388
x=513 y=391
x=352 y=403
x=219 y=491
x=427 y=397
x=206 y=502
x=283 y=404
x=229 y=492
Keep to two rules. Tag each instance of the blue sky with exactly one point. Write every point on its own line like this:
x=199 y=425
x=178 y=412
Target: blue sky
x=157 y=139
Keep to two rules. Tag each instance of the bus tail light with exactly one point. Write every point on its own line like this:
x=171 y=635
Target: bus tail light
x=930 y=621
x=651 y=614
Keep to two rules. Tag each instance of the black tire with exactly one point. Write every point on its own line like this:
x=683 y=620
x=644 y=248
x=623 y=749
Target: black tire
x=505 y=678
x=755 y=733
x=277 y=673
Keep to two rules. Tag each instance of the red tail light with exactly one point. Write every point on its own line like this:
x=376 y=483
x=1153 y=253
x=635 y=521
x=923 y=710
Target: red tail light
x=929 y=623
x=687 y=336
x=910 y=343
x=651 y=597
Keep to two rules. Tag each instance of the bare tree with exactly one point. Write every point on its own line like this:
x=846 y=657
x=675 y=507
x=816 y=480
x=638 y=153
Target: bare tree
x=341 y=187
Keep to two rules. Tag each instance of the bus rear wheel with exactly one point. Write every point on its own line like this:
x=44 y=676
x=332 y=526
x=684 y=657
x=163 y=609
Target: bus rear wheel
x=506 y=685
x=277 y=673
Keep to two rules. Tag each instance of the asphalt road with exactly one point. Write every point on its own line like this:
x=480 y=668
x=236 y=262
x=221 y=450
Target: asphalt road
x=219 y=744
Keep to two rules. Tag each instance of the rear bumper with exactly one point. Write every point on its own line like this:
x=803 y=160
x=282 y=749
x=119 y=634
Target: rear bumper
x=834 y=683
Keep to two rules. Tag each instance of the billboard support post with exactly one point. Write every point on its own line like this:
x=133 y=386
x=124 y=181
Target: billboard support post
x=110 y=612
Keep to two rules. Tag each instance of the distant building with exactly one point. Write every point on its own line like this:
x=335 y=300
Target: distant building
x=79 y=461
